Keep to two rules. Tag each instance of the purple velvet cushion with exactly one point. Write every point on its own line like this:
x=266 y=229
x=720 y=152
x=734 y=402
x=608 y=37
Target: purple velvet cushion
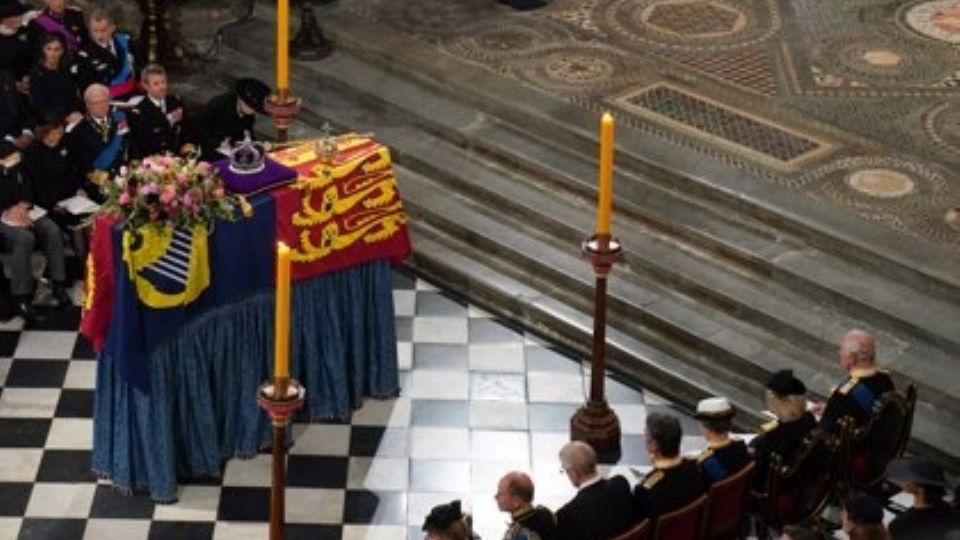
x=273 y=174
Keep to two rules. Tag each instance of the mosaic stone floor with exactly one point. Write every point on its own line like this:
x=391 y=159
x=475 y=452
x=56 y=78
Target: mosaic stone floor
x=854 y=102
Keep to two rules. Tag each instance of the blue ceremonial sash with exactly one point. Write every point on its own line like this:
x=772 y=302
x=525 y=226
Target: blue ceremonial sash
x=108 y=155
x=863 y=397
x=714 y=469
x=122 y=43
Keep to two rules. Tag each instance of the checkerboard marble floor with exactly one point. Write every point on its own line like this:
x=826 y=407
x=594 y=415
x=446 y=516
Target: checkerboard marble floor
x=478 y=399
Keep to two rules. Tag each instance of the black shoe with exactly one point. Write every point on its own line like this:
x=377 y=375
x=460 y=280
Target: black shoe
x=60 y=296
x=26 y=312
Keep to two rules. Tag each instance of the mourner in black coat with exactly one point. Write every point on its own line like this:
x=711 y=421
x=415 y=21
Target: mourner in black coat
x=53 y=88
x=62 y=20
x=107 y=58
x=157 y=121
x=787 y=401
x=602 y=507
x=51 y=173
x=16 y=51
x=16 y=118
x=229 y=117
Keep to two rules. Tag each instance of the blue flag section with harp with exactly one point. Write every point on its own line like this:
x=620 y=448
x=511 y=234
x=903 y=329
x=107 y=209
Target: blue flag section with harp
x=167 y=278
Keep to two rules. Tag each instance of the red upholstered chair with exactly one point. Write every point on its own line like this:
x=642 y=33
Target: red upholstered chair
x=640 y=531
x=682 y=524
x=797 y=492
x=727 y=504
x=865 y=450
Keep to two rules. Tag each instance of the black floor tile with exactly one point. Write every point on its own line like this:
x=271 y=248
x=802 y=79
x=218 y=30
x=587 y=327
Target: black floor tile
x=83 y=350
x=110 y=503
x=402 y=280
x=75 y=404
x=180 y=530
x=14 y=497
x=8 y=343
x=244 y=504
x=492 y=331
x=56 y=319
x=375 y=508
x=37 y=373
x=364 y=440
x=23 y=432
x=65 y=466
x=439 y=413
x=404 y=327
x=317 y=471
x=440 y=356
x=48 y=529
x=297 y=531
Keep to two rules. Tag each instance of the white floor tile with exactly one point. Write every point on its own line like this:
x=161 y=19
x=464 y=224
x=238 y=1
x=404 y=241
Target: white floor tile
x=507 y=446
x=234 y=530
x=36 y=344
x=404 y=303
x=314 y=505
x=10 y=528
x=60 y=500
x=19 y=464
x=196 y=503
x=545 y=387
x=127 y=529
x=440 y=330
x=255 y=472
x=499 y=357
x=321 y=439
x=439 y=443
x=383 y=412
x=29 y=402
x=71 y=433
x=439 y=384
x=81 y=375
x=374 y=532
x=378 y=474
x=498 y=415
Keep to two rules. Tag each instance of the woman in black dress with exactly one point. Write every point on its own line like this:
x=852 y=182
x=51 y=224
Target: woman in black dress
x=53 y=90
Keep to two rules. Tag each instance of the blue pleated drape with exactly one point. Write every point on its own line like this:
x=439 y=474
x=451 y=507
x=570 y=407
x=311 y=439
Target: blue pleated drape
x=200 y=408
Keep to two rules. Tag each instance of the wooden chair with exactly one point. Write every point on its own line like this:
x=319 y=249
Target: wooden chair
x=640 y=531
x=865 y=450
x=797 y=492
x=727 y=504
x=682 y=524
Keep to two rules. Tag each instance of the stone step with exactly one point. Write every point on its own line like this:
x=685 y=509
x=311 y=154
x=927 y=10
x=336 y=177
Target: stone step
x=468 y=152
x=926 y=266
x=877 y=300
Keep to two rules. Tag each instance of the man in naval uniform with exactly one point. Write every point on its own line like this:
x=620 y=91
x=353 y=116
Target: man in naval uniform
x=62 y=20
x=858 y=393
x=107 y=58
x=723 y=456
x=156 y=122
x=674 y=481
x=98 y=143
x=787 y=400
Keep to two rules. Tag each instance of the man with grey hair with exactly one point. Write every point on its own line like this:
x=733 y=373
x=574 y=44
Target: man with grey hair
x=858 y=393
x=602 y=507
x=98 y=143
x=674 y=482
x=107 y=57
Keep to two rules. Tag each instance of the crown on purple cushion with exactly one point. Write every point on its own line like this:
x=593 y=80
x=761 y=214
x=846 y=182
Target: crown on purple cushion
x=247 y=157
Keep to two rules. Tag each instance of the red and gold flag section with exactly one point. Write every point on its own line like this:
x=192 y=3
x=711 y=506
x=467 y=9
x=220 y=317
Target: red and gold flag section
x=344 y=208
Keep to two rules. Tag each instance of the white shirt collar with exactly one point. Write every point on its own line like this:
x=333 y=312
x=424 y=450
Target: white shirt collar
x=587 y=483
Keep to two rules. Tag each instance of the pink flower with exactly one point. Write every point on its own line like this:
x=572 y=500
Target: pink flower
x=124 y=199
x=165 y=160
x=203 y=167
x=218 y=193
x=168 y=195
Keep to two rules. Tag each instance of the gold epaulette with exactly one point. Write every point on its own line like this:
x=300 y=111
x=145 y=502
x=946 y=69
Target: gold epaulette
x=848 y=386
x=769 y=426
x=652 y=479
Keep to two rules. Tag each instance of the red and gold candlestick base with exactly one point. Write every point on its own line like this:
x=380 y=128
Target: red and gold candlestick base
x=282 y=108
x=595 y=422
x=280 y=398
